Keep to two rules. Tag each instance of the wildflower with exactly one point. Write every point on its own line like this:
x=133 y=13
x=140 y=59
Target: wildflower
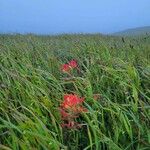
x=73 y=64
x=65 y=68
x=68 y=67
x=70 y=108
x=71 y=100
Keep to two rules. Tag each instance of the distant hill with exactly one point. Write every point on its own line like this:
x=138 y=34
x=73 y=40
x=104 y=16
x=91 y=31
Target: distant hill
x=134 y=31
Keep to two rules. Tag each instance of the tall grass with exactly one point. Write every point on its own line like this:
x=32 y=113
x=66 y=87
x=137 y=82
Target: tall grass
x=32 y=87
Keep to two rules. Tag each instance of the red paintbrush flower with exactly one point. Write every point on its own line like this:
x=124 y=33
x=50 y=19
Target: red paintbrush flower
x=71 y=100
x=70 y=108
x=73 y=64
x=65 y=68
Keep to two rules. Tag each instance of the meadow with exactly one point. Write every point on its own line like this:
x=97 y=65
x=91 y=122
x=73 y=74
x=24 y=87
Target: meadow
x=112 y=76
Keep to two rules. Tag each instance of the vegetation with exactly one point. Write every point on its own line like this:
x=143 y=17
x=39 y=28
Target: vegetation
x=114 y=69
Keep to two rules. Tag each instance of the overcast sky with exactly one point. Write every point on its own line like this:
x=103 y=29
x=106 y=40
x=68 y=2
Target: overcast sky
x=72 y=16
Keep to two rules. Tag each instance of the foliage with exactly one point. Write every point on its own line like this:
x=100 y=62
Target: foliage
x=115 y=70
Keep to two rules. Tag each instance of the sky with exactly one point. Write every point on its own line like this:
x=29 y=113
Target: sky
x=72 y=16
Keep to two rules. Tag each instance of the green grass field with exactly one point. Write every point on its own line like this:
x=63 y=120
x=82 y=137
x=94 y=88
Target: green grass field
x=32 y=87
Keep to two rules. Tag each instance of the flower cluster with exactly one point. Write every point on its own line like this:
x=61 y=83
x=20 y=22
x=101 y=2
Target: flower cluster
x=69 y=66
x=72 y=105
x=71 y=108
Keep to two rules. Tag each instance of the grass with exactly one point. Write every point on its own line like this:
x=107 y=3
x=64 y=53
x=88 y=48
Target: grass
x=32 y=88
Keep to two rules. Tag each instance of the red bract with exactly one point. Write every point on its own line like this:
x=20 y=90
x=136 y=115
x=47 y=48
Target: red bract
x=70 y=108
x=68 y=67
x=65 y=68
x=73 y=64
x=71 y=100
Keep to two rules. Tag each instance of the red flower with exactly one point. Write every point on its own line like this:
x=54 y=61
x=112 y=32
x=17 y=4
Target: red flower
x=73 y=64
x=65 y=68
x=70 y=108
x=71 y=100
